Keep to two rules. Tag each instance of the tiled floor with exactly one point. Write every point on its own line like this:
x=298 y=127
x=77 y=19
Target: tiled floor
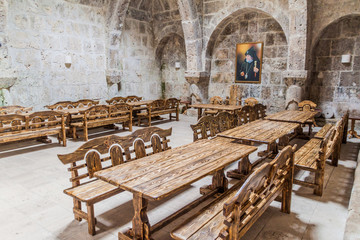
x=33 y=205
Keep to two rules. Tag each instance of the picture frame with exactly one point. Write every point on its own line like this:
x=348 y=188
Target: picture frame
x=248 y=67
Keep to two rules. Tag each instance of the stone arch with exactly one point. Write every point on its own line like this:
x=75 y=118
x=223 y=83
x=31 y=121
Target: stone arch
x=163 y=41
x=334 y=85
x=221 y=22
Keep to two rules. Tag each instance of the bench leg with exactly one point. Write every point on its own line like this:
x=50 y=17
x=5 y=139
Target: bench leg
x=319 y=182
x=177 y=114
x=77 y=206
x=74 y=132
x=91 y=219
x=170 y=116
x=86 y=138
x=286 y=196
x=336 y=154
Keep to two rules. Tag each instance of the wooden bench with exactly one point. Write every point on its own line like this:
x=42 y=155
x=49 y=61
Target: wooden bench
x=232 y=214
x=102 y=153
x=209 y=126
x=103 y=115
x=116 y=100
x=160 y=107
x=14 y=109
x=16 y=127
x=313 y=155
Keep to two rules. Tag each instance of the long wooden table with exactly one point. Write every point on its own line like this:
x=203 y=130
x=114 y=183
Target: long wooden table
x=159 y=175
x=230 y=108
x=262 y=131
x=292 y=116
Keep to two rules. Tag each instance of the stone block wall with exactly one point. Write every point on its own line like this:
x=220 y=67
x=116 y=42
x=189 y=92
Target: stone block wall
x=40 y=35
x=251 y=27
x=335 y=85
x=136 y=58
x=174 y=78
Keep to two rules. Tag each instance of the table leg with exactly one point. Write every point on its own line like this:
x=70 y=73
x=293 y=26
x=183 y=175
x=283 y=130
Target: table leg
x=352 y=131
x=219 y=181
x=199 y=113
x=140 y=222
x=244 y=168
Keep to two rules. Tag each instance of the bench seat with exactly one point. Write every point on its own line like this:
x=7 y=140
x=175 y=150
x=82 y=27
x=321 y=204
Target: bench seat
x=305 y=157
x=209 y=217
x=101 y=122
x=29 y=134
x=92 y=192
x=323 y=131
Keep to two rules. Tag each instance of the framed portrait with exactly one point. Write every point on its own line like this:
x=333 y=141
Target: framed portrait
x=248 y=62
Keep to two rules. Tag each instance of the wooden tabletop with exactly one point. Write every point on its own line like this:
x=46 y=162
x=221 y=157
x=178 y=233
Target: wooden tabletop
x=161 y=174
x=262 y=131
x=73 y=110
x=139 y=103
x=218 y=107
x=292 y=116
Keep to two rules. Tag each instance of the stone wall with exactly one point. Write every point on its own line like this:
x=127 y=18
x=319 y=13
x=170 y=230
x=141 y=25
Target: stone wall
x=136 y=58
x=172 y=77
x=40 y=36
x=251 y=27
x=335 y=86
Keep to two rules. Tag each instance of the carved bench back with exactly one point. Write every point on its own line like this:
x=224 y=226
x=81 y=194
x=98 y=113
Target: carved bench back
x=157 y=105
x=307 y=105
x=172 y=103
x=85 y=103
x=260 y=111
x=226 y=121
x=97 y=112
x=120 y=109
x=216 y=100
x=105 y=152
x=245 y=115
x=251 y=101
x=133 y=98
x=13 y=123
x=256 y=193
x=206 y=127
x=116 y=100
x=14 y=109
x=61 y=105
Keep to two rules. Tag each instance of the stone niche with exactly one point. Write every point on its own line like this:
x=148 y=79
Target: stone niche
x=335 y=86
x=245 y=27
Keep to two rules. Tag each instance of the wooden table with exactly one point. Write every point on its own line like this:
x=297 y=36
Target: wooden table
x=140 y=103
x=352 y=131
x=159 y=175
x=262 y=131
x=230 y=108
x=292 y=116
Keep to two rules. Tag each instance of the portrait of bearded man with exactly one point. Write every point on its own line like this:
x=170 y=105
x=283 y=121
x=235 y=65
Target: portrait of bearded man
x=249 y=69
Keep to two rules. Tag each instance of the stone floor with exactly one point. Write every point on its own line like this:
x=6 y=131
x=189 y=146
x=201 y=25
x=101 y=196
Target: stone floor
x=33 y=205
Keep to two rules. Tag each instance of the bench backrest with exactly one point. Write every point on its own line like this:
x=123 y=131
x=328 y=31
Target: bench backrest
x=61 y=105
x=216 y=100
x=97 y=112
x=116 y=100
x=307 y=105
x=14 y=109
x=256 y=194
x=245 y=115
x=85 y=103
x=251 y=101
x=206 y=127
x=209 y=126
x=105 y=152
x=260 y=111
x=327 y=145
x=158 y=104
x=120 y=109
x=14 y=123
x=133 y=98
x=172 y=103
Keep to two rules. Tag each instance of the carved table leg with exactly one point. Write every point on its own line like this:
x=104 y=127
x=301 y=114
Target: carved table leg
x=219 y=182
x=284 y=141
x=244 y=168
x=352 y=132
x=140 y=222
